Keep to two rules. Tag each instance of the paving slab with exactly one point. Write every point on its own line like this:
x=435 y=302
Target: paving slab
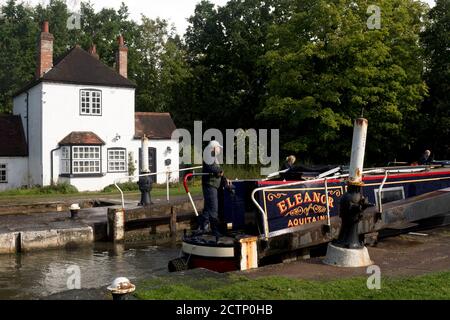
x=404 y=255
x=42 y=230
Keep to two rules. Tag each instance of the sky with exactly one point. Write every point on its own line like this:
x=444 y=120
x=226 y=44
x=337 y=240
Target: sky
x=175 y=11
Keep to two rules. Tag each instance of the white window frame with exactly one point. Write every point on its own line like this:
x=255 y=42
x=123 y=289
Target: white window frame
x=65 y=160
x=115 y=161
x=86 y=160
x=4 y=167
x=89 y=107
x=376 y=191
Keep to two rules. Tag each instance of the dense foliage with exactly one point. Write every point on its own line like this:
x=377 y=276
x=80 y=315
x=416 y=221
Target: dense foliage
x=307 y=67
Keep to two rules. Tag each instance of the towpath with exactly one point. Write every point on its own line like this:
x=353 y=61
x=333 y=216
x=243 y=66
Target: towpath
x=402 y=255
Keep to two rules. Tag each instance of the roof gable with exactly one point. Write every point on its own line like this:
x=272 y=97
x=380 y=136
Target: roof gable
x=81 y=138
x=12 y=137
x=154 y=125
x=80 y=67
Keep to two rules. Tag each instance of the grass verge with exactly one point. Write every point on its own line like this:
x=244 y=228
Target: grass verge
x=38 y=193
x=430 y=286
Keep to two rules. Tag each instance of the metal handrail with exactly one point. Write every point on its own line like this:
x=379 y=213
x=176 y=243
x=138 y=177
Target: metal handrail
x=274 y=174
x=167 y=172
x=291 y=184
x=386 y=173
x=380 y=205
x=328 y=203
x=329 y=172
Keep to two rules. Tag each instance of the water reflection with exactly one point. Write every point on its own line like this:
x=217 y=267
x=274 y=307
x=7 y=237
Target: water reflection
x=39 y=274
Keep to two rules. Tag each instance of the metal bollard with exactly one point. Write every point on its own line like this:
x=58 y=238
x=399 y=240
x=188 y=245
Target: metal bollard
x=120 y=288
x=145 y=184
x=74 y=208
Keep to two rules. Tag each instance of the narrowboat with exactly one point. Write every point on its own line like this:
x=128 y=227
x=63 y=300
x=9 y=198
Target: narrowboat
x=296 y=211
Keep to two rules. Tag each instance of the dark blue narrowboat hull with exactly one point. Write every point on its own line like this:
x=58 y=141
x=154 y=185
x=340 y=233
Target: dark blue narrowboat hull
x=292 y=217
x=306 y=203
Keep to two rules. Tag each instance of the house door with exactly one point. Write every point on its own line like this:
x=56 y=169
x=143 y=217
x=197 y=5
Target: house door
x=151 y=161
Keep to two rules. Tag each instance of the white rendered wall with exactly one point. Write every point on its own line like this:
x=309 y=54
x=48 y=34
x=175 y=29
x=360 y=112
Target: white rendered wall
x=60 y=105
x=35 y=166
x=16 y=172
x=61 y=116
x=161 y=156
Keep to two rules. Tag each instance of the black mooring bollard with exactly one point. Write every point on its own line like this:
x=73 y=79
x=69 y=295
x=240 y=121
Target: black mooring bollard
x=74 y=208
x=145 y=185
x=121 y=288
x=118 y=296
x=352 y=205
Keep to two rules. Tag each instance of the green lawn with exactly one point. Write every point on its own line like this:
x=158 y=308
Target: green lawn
x=35 y=194
x=66 y=191
x=430 y=286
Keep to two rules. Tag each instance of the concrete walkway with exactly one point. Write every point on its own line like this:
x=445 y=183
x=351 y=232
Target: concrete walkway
x=37 y=230
x=48 y=203
x=403 y=255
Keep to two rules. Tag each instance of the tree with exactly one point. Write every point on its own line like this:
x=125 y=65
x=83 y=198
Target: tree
x=326 y=68
x=435 y=119
x=156 y=61
x=57 y=14
x=163 y=70
x=224 y=47
x=18 y=34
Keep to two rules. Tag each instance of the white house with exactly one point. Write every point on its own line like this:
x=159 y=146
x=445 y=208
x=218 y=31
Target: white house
x=78 y=124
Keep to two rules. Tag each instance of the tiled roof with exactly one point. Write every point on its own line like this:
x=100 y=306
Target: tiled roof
x=78 y=66
x=82 y=138
x=154 y=125
x=12 y=137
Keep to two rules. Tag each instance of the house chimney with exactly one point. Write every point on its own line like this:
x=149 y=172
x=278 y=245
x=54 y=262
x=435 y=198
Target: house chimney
x=122 y=58
x=93 y=51
x=45 y=51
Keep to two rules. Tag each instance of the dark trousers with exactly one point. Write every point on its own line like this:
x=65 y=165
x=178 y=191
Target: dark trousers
x=211 y=207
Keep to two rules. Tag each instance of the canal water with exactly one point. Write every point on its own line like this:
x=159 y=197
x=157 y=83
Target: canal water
x=40 y=274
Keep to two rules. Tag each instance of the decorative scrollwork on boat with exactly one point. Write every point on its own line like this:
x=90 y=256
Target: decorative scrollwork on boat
x=272 y=196
x=306 y=211
x=337 y=192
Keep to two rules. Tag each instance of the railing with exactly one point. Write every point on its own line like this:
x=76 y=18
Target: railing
x=386 y=174
x=291 y=184
x=186 y=188
x=380 y=205
x=167 y=173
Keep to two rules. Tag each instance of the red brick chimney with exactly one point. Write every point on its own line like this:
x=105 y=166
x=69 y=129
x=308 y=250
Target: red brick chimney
x=93 y=51
x=45 y=51
x=122 y=58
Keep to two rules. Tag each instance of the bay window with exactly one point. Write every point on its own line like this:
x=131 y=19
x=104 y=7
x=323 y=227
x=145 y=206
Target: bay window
x=81 y=160
x=86 y=160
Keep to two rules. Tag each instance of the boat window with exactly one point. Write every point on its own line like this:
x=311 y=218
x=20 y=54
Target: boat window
x=390 y=194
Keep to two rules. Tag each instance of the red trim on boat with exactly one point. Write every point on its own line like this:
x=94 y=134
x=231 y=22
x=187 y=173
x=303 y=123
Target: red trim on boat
x=368 y=178
x=409 y=175
x=214 y=264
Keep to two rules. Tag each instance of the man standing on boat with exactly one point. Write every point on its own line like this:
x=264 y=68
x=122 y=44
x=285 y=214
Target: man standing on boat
x=211 y=183
x=425 y=158
x=287 y=166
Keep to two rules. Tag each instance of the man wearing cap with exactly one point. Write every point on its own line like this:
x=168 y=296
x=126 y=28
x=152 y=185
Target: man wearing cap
x=210 y=186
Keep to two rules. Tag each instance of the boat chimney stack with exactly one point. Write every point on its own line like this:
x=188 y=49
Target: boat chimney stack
x=144 y=155
x=347 y=250
x=358 y=152
x=145 y=182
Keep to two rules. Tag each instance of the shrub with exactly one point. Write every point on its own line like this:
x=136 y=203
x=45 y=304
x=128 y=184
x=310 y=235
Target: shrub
x=126 y=186
x=61 y=188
